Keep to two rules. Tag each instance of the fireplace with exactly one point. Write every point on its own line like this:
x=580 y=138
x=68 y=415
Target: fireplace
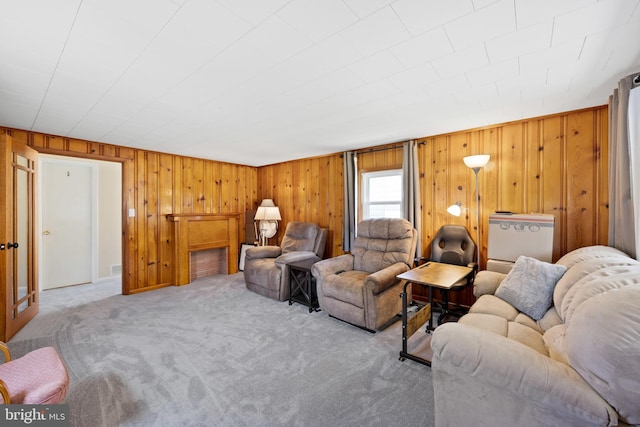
x=204 y=244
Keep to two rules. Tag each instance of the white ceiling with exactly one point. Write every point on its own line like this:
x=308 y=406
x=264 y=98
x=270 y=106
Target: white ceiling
x=258 y=82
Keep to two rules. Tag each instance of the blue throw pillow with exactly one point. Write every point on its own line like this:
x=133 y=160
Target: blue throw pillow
x=529 y=286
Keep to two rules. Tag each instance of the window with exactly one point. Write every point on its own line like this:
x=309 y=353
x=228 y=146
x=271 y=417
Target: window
x=382 y=194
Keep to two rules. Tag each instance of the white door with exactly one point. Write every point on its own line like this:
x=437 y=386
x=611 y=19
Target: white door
x=66 y=224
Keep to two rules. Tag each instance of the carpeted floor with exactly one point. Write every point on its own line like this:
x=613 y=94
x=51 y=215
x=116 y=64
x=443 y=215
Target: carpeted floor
x=214 y=354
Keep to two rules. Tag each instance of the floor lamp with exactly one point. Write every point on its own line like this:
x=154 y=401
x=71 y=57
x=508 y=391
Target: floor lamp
x=476 y=163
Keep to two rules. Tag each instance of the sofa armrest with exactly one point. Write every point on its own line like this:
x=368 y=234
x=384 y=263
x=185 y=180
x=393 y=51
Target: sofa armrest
x=294 y=256
x=381 y=280
x=472 y=358
x=332 y=266
x=263 y=252
x=486 y=282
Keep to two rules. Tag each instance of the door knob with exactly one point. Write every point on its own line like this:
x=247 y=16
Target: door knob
x=12 y=245
x=46 y=232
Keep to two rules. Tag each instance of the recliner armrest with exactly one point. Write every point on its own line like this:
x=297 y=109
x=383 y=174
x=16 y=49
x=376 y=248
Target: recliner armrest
x=381 y=280
x=263 y=252
x=294 y=256
x=332 y=265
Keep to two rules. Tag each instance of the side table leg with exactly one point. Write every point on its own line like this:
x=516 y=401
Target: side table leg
x=404 y=353
x=430 y=327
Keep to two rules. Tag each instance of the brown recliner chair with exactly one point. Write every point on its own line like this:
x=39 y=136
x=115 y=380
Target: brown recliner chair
x=361 y=287
x=265 y=267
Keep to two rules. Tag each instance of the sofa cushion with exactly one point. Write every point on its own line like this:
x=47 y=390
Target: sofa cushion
x=488 y=322
x=550 y=319
x=346 y=286
x=501 y=326
x=589 y=253
x=529 y=285
x=527 y=336
x=603 y=344
x=525 y=320
x=593 y=284
x=489 y=304
x=587 y=264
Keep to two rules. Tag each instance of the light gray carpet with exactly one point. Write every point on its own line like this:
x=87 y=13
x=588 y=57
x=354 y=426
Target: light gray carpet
x=213 y=353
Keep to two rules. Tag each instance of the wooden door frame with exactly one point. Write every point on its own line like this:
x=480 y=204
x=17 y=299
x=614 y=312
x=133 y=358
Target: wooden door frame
x=94 y=204
x=124 y=218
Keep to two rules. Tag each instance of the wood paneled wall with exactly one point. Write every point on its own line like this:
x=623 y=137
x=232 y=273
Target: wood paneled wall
x=554 y=164
x=308 y=190
x=157 y=184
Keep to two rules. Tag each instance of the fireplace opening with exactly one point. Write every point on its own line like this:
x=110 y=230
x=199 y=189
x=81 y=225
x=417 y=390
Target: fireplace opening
x=208 y=262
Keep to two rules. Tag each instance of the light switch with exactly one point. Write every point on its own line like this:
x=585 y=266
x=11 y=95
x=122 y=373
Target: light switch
x=132 y=213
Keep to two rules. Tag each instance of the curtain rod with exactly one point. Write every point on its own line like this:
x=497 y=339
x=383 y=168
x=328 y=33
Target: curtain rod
x=374 y=150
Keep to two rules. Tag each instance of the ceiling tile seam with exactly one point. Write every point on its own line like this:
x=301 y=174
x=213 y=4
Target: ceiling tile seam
x=553 y=32
x=124 y=72
x=312 y=45
x=353 y=11
x=446 y=34
x=515 y=14
x=402 y=22
x=206 y=63
x=55 y=69
x=632 y=14
x=584 y=42
x=253 y=28
x=364 y=84
x=231 y=11
x=373 y=12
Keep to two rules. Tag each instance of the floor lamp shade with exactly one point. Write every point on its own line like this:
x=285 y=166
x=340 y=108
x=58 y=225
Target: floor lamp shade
x=477 y=161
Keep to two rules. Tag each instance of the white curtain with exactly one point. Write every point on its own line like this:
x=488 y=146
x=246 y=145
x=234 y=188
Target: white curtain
x=624 y=166
x=349 y=216
x=411 y=185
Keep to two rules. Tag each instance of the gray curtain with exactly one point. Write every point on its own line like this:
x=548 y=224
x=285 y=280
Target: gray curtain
x=349 y=216
x=623 y=217
x=411 y=181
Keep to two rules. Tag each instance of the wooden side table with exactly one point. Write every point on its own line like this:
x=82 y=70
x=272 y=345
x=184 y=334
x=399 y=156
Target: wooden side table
x=433 y=275
x=302 y=284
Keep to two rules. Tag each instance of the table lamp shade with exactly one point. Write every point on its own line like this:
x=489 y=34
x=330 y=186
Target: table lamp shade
x=268 y=211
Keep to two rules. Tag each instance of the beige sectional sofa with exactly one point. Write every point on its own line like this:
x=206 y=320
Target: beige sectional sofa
x=577 y=365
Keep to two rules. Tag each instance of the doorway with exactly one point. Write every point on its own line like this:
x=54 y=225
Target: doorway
x=80 y=221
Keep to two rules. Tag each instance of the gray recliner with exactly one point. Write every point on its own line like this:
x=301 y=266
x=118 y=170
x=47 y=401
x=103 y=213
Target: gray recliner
x=265 y=268
x=361 y=287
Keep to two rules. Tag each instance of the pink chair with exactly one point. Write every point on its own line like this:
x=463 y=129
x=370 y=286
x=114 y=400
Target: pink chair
x=38 y=378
